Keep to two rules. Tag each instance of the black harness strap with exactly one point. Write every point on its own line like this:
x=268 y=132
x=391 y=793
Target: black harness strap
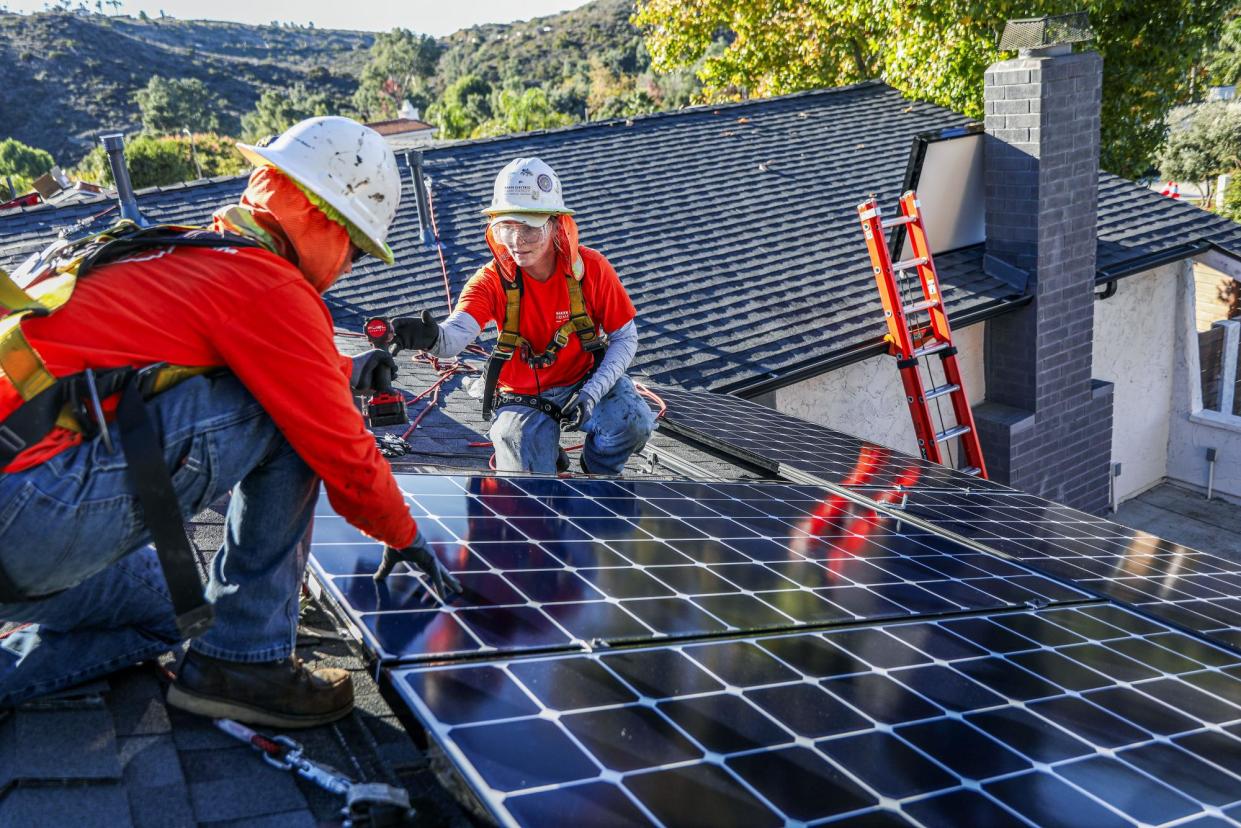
x=149 y=476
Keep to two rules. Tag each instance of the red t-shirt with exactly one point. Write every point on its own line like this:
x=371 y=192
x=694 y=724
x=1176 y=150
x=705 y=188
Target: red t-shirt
x=250 y=311
x=544 y=309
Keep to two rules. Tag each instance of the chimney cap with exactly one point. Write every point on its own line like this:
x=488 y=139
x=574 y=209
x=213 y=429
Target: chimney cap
x=1049 y=30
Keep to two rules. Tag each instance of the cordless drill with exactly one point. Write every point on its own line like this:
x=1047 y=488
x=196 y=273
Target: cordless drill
x=386 y=406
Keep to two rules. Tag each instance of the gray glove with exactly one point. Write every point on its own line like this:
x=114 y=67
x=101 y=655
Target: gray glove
x=419 y=554
x=363 y=374
x=575 y=412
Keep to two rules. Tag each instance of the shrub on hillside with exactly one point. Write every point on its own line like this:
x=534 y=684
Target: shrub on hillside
x=158 y=160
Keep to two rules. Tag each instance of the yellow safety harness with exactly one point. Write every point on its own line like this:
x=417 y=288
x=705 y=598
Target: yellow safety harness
x=511 y=342
x=43 y=286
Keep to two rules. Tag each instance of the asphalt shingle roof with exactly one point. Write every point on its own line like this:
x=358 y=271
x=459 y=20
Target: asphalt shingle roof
x=733 y=227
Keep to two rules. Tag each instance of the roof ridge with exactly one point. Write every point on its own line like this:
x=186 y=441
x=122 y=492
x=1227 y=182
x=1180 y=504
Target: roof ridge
x=671 y=113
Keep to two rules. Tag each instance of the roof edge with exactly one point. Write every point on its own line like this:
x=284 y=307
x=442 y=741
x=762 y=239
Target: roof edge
x=749 y=389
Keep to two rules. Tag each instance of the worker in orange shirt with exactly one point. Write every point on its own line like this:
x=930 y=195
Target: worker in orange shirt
x=80 y=500
x=553 y=301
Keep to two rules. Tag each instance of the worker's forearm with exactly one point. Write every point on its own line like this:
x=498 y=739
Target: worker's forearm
x=456 y=332
x=622 y=345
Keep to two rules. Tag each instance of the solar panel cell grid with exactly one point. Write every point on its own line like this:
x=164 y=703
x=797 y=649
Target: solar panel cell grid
x=1008 y=717
x=547 y=563
x=1193 y=589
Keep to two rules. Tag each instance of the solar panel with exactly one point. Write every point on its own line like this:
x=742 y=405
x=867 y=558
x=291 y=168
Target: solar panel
x=792 y=447
x=556 y=564
x=1193 y=589
x=1196 y=590
x=1090 y=715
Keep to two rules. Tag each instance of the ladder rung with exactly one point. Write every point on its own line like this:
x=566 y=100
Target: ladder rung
x=949 y=433
x=906 y=264
x=898 y=221
x=972 y=471
x=941 y=390
x=919 y=307
x=933 y=348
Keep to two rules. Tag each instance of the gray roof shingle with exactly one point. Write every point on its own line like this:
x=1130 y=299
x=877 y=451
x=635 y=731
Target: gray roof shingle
x=733 y=227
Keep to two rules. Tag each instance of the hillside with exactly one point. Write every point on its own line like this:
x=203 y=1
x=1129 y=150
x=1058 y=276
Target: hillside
x=66 y=78
x=546 y=50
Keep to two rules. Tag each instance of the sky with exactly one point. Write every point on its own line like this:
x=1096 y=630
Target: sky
x=433 y=17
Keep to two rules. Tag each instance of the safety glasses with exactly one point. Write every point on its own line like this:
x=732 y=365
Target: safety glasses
x=358 y=255
x=515 y=233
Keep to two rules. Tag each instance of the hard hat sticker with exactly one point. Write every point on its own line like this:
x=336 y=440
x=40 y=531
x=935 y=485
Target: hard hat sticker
x=545 y=182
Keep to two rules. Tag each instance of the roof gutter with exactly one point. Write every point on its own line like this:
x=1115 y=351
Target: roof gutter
x=1152 y=260
x=751 y=388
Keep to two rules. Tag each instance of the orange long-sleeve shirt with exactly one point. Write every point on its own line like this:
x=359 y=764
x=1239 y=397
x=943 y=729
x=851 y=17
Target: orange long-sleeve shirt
x=254 y=313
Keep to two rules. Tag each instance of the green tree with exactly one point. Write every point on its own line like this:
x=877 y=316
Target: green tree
x=1224 y=61
x=21 y=163
x=279 y=109
x=159 y=160
x=172 y=104
x=1232 y=198
x=1205 y=143
x=935 y=52
x=400 y=64
x=521 y=111
x=464 y=105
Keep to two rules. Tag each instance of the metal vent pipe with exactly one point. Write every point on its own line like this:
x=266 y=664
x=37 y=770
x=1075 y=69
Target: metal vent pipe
x=114 y=146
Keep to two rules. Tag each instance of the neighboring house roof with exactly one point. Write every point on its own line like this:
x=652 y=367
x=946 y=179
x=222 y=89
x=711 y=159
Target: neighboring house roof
x=733 y=227
x=398 y=126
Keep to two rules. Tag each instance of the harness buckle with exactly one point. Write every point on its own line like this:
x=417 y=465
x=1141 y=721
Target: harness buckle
x=147 y=378
x=10 y=441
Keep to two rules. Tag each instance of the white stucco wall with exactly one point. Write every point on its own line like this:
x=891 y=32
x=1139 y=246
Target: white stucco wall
x=1193 y=429
x=1134 y=348
x=866 y=399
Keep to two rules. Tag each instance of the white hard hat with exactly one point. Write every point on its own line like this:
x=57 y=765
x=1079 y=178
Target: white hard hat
x=526 y=188
x=346 y=168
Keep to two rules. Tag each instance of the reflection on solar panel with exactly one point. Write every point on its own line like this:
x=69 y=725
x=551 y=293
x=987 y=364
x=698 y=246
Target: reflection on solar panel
x=787 y=445
x=1090 y=715
x=550 y=563
x=1196 y=590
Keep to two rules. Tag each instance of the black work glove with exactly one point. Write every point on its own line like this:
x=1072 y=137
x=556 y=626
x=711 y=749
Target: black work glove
x=576 y=412
x=419 y=333
x=362 y=376
x=419 y=554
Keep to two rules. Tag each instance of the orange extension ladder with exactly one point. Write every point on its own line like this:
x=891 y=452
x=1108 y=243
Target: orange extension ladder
x=932 y=339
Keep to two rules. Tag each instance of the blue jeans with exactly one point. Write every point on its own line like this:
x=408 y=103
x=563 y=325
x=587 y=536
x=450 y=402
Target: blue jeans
x=527 y=440
x=73 y=524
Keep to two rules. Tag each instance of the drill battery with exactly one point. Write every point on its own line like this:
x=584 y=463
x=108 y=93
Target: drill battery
x=385 y=409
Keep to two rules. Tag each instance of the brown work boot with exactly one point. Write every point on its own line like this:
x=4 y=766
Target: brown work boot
x=274 y=693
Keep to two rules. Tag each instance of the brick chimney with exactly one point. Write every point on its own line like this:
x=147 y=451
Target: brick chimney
x=1046 y=426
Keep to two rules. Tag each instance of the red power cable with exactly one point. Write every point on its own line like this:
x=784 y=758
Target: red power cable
x=439 y=247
